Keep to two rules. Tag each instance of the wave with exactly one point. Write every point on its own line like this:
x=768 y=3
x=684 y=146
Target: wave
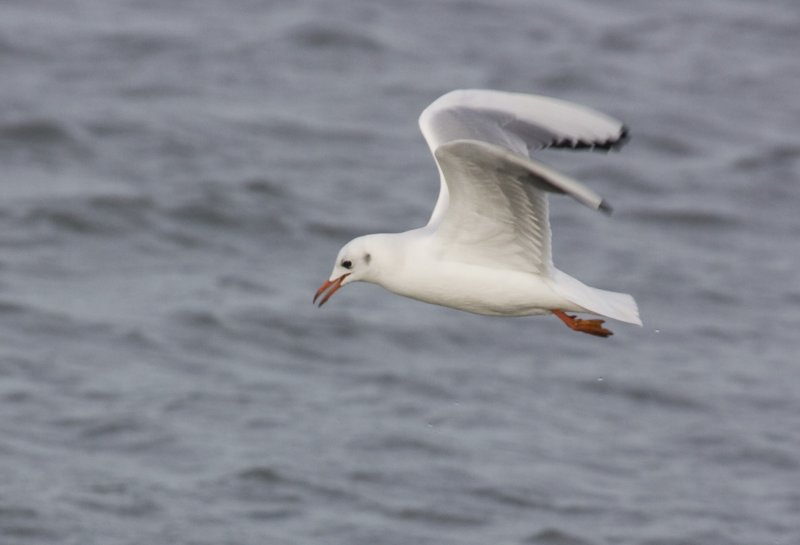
x=251 y=207
x=264 y=483
x=776 y=156
x=554 y=536
x=644 y=394
x=320 y=35
x=99 y=215
x=36 y=131
x=687 y=217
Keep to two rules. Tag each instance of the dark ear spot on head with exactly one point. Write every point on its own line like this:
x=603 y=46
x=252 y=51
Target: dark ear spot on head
x=367 y=258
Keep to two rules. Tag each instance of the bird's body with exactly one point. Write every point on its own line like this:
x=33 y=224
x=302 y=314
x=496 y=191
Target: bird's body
x=503 y=292
x=486 y=248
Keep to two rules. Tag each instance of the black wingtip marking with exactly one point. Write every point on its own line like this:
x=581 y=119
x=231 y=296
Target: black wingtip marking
x=605 y=207
x=608 y=145
x=624 y=136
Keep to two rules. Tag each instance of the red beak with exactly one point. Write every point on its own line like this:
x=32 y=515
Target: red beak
x=336 y=284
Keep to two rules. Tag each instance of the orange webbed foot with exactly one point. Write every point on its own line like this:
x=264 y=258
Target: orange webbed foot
x=592 y=327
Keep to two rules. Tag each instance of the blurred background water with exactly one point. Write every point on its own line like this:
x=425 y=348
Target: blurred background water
x=177 y=177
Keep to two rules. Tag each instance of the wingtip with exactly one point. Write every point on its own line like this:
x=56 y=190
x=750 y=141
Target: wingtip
x=605 y=207
x=624 y=137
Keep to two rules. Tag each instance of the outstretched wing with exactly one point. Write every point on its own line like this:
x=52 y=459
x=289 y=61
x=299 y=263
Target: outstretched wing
x=519 y=124
x=497 y=215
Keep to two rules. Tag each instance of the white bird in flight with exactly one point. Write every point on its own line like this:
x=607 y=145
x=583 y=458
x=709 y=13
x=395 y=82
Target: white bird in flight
x=486 y=248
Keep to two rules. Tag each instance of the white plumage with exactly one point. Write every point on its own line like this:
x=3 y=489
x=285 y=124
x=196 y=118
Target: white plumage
x=486 y=248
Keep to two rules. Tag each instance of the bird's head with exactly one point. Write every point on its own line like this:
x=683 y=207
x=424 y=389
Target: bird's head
x=355 y=262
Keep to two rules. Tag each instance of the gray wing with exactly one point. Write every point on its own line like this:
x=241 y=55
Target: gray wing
x=519 y=124
x=498 y=215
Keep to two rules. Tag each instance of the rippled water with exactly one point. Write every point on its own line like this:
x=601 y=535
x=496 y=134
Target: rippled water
x=177 y=178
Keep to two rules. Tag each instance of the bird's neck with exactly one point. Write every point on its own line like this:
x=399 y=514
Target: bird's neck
x=395 y=255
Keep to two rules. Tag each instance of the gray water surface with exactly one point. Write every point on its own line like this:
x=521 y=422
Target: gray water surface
x=177 y=177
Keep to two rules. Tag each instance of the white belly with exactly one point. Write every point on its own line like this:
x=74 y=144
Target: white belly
x=481 y=290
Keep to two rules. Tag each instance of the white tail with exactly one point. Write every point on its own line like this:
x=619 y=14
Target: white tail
x=611 y=304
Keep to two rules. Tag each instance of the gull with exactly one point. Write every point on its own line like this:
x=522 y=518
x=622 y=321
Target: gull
x=487 y=246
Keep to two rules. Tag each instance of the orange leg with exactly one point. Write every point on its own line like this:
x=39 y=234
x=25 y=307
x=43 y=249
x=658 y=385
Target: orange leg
x=592 y=327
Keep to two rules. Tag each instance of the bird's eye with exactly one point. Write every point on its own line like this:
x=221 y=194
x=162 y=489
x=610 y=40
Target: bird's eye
x=347 y=264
